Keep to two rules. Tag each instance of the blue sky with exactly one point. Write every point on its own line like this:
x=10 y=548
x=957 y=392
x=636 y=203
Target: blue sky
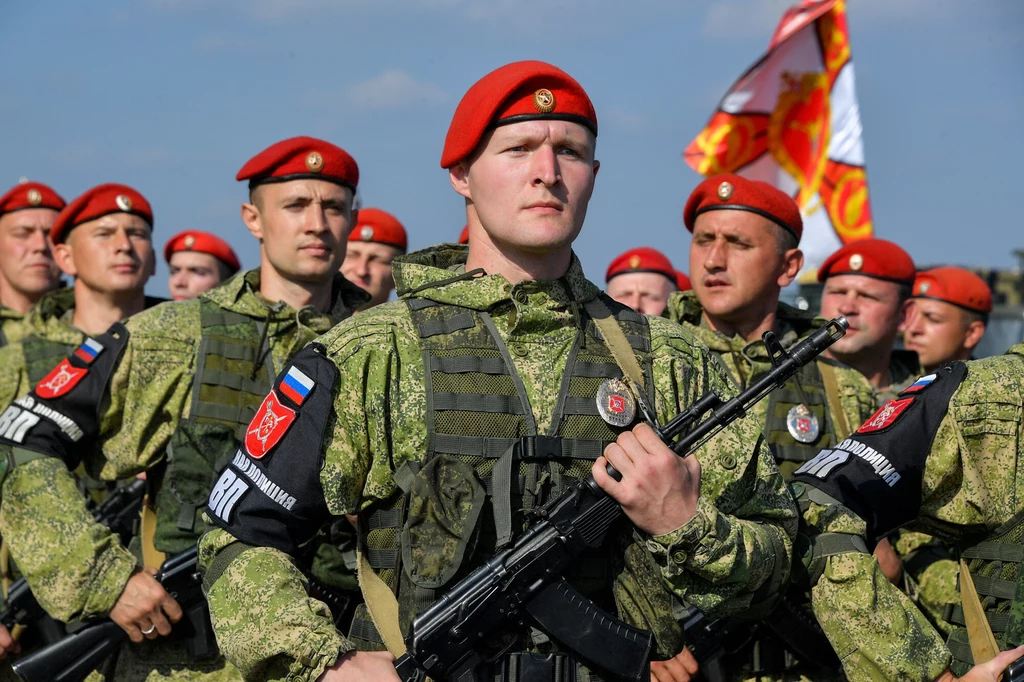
x=173 y=96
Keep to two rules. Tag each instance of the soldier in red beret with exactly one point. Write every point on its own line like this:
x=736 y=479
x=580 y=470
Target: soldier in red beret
x=27 y=268
x=948 y=316
x=488 y=347
x=377 y=239
x=186 y=381
x=745 y=248
x=198 y=261
x=641 y=278
x=868 y=282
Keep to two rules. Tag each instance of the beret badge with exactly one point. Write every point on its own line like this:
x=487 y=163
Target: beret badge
x=544 y=101
x=35 y=197
x=314 y=162
x=366 y=234
x=725 y=191
x=856 y=261
x=635 y=262
x=925 y=286
x=124 y=202
x=190 y=241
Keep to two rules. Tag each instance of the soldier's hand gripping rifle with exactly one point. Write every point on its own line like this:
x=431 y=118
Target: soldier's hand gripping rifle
x=118 y=513
x=449 y=638
x=74 y=657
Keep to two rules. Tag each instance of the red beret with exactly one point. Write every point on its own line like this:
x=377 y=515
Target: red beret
x=683 y=281
x=30 y=195
x=97 y=202
x=521 y=91
x=960 y=287
x=732 y=192
x=298 y=158
x=379 y=226
x=642 y=259
x=876 y=258
x=464 y=235
x=202 y=242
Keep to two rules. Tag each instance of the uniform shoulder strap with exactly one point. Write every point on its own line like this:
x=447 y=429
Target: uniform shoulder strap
x=616 y=340
x=831 y=382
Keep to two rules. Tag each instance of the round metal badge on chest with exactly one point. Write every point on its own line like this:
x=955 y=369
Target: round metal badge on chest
x=803 y=424
x=615 y=402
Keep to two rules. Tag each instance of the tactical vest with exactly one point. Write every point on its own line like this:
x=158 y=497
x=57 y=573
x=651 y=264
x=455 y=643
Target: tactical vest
x=234 y=372
x=996 y=567
x=42 y=355
x=805 y=388
x=485 y=454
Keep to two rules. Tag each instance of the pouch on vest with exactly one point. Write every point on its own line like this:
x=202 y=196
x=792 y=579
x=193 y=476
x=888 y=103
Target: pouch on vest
x=445 y=502
x=194 y=451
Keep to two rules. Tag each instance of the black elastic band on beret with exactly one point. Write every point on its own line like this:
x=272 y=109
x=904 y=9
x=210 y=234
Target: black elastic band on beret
x=25 y=208
x=268 y=180
x=751 y=209
x=958 y=305
x=572 y=118
x=671 y=278
x=67 y=230
x=894 y=280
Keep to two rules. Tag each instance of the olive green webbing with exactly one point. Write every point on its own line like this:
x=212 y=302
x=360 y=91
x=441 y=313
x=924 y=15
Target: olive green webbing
x=42 y=355
x=831 y=382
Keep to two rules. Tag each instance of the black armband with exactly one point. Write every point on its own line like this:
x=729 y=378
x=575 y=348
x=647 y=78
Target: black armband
x=60 y=416
x=270 y=495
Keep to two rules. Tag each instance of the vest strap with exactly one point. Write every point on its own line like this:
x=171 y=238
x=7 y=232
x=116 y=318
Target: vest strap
x=997 y=621
x=618 y=342
x=828 y=378
x=995 y=551
x=466 y=364
x=531 y=447
x=382 y=605
x=451 y=325
x=979 y=634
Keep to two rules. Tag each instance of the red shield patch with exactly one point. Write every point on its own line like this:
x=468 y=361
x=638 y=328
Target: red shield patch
x=268 y=427
x=617 y=404
x=60 y=380
x=886 y=415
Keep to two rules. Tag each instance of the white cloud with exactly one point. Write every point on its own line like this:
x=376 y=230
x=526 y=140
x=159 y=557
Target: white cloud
x=391 y=89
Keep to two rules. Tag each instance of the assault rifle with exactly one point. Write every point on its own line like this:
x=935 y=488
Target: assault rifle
x=74 y=657
x=449 y=639
x=118 y=513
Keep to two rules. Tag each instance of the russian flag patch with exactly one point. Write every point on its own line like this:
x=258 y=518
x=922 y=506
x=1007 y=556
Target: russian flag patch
x=89 y=350
x=296 y=385
x=919 y=385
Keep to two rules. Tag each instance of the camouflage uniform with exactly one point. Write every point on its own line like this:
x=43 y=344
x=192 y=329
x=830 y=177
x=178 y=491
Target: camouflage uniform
x=76 y=569
x=746 y=363
x=970 y=497
x=12 y=326
x=904 y=368
x=728 y=558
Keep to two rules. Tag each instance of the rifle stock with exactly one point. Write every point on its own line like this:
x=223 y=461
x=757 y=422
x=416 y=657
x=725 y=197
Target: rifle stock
x=448 y=638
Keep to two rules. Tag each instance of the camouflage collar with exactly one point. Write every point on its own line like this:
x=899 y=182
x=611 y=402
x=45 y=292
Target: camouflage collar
x=50 y=317
x=241 y=294
x=8 y=314
x=434 y=274
x=793 y=323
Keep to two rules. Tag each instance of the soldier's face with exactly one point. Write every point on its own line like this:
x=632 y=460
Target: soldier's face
x=26 y=261
x=112 y=254
x=192 y=273
x=368 y=265
x=736 y=267
x=941 y=332
x=645 y=292
x=529 y=184
x=302 y=226
x=871 y=306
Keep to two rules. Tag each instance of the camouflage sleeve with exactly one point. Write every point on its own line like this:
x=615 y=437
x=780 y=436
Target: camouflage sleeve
x=149 y=391
x=77 y=569
x=266 y=624
x=734 y=555
x=877 y=631
x=856 y=396
x=13 y=378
